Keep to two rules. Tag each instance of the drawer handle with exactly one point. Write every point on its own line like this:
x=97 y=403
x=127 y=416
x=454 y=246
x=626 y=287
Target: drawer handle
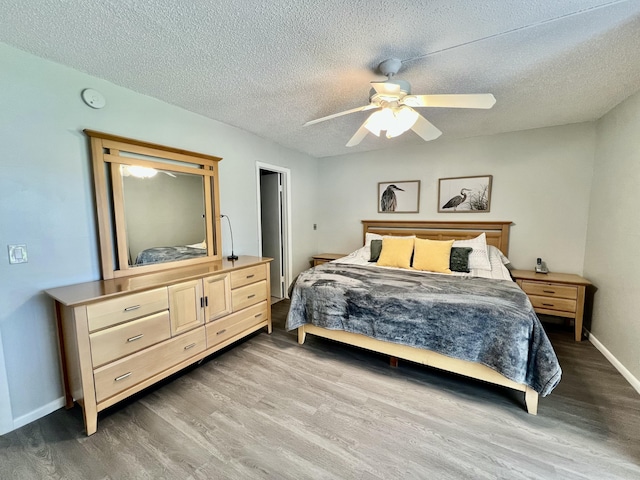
x=190 y=346
x=251 y=276
x=549 y=291
x=130 y=309
x=122 y=377
x=137 y=337
x=548 y=304
x=221 y=332
x=257 y=315
x=251 y=296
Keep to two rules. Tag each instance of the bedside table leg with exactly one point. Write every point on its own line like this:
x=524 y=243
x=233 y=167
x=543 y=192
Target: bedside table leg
x=579 y=313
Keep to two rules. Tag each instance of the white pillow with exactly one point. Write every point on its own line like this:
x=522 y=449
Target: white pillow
x=497 y=260
x=478 y=258
x=371 y=236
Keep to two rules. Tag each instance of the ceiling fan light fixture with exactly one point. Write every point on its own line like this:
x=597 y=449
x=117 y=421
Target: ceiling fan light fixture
x=380 y=120
x=393 y=120
x=404 y=119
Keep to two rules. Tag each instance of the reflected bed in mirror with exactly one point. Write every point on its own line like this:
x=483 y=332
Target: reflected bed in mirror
x=157 y=206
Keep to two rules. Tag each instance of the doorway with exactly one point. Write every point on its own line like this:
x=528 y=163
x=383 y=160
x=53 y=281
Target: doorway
x=274 y=225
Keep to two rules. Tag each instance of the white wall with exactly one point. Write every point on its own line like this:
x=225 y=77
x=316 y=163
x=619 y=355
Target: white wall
x=47 y=203
x=541 y=182
x=612 y=261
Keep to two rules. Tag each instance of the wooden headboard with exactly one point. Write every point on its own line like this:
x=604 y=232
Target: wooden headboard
x=497 y=232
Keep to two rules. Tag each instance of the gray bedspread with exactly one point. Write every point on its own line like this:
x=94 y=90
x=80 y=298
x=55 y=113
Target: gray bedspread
x=486 y=321
x=168 y=254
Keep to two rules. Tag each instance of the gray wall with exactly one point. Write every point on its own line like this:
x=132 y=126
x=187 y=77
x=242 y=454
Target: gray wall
x=47 y=203
x=612 y=261
x=541 y=182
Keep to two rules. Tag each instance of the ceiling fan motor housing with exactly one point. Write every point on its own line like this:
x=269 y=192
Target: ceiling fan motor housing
x=393 y=93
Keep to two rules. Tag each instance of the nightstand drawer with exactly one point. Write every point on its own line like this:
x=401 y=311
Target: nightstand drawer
x=550 y=303
x=550 y=290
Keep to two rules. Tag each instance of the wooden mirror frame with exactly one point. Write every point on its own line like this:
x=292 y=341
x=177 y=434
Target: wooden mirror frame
x=106 y=152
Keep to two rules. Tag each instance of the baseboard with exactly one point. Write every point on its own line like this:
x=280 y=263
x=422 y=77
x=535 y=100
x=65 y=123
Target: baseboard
x=635 y=383
x=38 y=413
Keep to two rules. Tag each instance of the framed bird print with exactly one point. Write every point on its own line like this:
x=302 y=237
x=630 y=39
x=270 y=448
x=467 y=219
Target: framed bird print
x=464 y=194
x=399 y=197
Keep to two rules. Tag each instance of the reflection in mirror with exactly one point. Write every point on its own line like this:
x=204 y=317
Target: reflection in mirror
x=165 y=215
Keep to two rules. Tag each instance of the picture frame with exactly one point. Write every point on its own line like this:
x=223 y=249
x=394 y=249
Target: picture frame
x=465 y=194
x=399 y=196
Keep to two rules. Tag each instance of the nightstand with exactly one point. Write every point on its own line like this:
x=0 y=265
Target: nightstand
x=558 y=294
x=326 y=257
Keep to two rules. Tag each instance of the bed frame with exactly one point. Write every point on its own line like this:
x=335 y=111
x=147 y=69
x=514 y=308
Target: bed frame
x=498 y=235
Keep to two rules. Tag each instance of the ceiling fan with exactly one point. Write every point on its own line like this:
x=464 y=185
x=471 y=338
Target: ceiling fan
x=395 y=105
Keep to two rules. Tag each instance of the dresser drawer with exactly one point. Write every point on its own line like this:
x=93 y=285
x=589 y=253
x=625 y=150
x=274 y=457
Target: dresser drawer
x=552 y=303
x=550 y=290
x=121 y=309
x=250 y=295
x=240 y=278
x=124 y=339
x=129 y=371
x=225 y=328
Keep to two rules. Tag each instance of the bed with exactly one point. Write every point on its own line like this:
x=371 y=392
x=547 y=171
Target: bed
x=477 y=324
x=169 y=254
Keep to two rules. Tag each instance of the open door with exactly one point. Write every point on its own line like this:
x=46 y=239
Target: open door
x=272 y=185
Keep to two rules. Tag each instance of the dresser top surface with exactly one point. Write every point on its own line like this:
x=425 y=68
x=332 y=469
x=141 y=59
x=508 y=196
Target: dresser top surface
x=88 y=292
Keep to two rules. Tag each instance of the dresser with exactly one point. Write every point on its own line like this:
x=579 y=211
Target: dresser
x=122 y=335
x=557 y=294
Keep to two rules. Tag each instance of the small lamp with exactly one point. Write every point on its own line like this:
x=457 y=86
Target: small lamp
x=232 y=256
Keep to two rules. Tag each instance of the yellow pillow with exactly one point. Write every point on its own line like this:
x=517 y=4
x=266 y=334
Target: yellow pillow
x=432 y=255
x=396 y=252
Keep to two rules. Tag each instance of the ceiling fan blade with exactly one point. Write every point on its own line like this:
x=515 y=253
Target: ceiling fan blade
x=472 y=100
x=426 y=129
x=359 y=135
x=385 y=87
x=346 y=112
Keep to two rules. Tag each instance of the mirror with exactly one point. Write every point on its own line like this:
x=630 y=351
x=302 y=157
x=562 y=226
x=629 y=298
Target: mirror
x=157 y=206
x=164 y=214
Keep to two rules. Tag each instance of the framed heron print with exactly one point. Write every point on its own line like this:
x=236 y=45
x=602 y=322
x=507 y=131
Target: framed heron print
x=399 y=197
x=465 y=194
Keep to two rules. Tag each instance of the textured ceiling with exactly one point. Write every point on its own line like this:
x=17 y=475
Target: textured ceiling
x=270 y=66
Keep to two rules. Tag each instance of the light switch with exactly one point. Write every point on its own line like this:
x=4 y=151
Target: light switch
x=17 y=253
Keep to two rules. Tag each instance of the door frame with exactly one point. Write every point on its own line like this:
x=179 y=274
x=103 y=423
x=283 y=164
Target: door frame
x=287 y=257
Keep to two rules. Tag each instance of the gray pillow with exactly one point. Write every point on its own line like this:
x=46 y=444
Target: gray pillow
x=376 y=248
x=459 y=259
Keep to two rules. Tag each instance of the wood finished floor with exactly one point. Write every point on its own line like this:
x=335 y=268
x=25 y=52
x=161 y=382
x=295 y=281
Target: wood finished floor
x=270 y=408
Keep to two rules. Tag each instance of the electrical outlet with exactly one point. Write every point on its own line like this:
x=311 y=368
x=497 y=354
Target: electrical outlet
x=17 y=253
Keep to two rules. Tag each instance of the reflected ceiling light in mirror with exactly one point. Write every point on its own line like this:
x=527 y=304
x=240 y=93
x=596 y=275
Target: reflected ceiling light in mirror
x=138 y=171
